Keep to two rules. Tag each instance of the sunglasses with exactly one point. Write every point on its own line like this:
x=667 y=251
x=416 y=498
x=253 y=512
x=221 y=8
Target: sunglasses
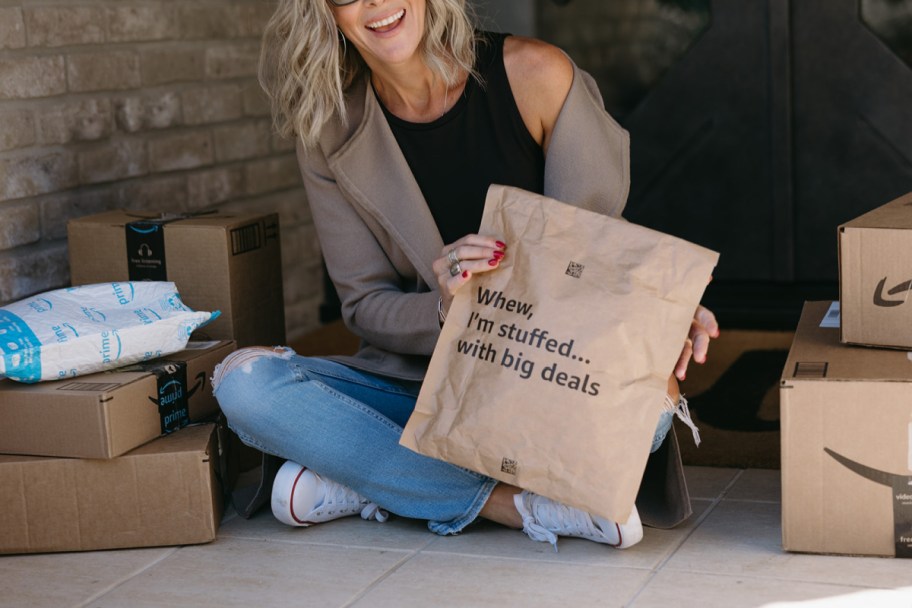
x=342 y=2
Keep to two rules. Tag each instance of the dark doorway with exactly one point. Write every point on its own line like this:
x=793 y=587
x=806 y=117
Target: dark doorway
x=757 y=127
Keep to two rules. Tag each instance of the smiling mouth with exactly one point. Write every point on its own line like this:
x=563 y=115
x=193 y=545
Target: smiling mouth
x=387 y=24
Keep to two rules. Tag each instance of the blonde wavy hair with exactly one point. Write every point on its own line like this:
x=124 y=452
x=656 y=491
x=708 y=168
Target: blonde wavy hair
x=306 y=65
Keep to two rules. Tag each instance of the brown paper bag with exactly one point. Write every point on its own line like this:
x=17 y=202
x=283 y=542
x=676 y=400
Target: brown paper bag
x=551 y=371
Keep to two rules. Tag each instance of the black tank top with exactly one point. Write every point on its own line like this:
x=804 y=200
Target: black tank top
x=481 y=141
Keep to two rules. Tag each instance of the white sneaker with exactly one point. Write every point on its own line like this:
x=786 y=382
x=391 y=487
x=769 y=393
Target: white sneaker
x=300 y=497
x=545 y=520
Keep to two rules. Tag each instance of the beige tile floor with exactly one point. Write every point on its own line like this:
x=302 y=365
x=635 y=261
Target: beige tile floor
x=728 y=554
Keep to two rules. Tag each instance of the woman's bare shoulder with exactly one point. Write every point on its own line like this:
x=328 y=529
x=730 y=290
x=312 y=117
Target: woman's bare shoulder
x=537 y=65
x=540 y=76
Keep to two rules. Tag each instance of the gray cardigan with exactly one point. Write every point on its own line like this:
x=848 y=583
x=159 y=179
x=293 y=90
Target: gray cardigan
x=379 y=240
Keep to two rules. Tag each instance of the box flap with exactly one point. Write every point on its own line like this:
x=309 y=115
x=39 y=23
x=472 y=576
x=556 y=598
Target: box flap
x=121 y=217
x=817 y=354
x=116 y=217
x=188 y=439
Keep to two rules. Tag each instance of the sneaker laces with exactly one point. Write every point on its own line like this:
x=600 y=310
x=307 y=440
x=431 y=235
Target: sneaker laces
x=545 y=519
x=372 y=511
x=682 y=411
x=340 y=498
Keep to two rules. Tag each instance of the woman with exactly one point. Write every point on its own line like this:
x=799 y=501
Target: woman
x=404 y=115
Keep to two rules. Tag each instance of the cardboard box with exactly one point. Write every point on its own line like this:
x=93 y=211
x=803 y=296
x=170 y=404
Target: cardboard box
x=163 y=493
x=846 y=415
x=230 y=263
x=107 y=414
x=875 y=278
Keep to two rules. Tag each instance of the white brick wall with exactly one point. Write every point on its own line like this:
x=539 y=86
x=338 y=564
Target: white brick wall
x=139 y=104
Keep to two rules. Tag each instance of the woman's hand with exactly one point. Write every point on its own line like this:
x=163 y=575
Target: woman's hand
x=460 y=260
x=702 y=328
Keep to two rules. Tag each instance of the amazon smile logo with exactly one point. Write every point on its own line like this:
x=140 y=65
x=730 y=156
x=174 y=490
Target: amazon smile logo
x=177 y=390
x=880 y=300
x=902 y=498
x=172 y=399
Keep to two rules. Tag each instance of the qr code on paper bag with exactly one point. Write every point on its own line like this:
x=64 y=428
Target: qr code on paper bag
x=508 y=466
x=575 y=270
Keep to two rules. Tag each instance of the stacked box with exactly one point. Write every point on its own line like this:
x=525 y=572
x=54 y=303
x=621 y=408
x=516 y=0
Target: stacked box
x=124 y=460
x=107 y=414
x=163 y=493
x=120 y=459
x=875 y=277
x=846 y=414
x=846 y=408
x=229 y=263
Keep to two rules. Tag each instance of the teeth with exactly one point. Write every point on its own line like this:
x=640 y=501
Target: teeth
x=388 y=21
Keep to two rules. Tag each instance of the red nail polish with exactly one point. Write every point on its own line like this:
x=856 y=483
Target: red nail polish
x=501 y=244
x=493 y=262
x=498 y=255
x=465 y=274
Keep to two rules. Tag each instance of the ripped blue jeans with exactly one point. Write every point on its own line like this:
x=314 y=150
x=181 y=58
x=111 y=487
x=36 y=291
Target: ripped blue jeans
x=345 y=424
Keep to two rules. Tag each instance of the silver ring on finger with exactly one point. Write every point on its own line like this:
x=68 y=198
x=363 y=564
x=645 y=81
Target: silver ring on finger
x=452 y=258
x=455 y=269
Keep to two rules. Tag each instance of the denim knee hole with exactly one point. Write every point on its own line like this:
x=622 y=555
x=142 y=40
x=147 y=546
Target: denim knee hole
x=243 y=359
